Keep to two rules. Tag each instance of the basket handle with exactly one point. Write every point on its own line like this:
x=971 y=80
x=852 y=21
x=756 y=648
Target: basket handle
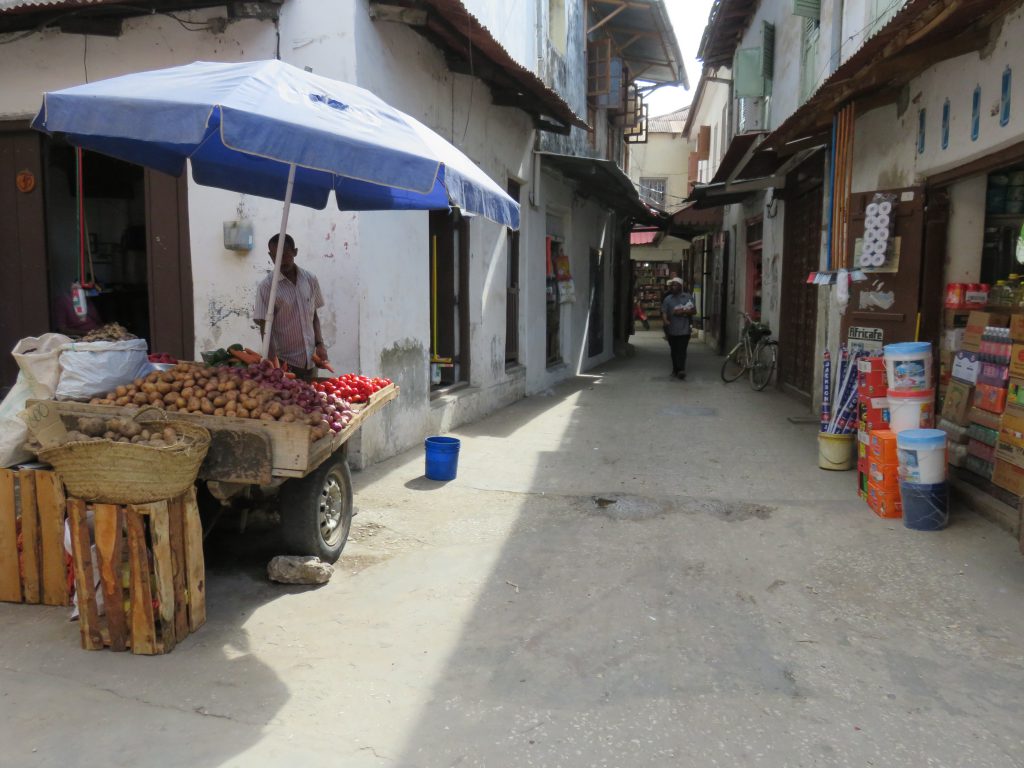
x=161 y=413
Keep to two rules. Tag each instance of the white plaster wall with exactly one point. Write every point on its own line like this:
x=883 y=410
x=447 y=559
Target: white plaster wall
x=665 y=155
x=966 y=229
x=709 y=112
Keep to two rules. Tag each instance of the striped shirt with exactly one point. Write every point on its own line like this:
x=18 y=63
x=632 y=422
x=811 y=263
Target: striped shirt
x=293 y=339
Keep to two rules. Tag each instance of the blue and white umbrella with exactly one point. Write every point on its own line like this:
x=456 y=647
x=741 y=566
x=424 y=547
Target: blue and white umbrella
x=272 y=130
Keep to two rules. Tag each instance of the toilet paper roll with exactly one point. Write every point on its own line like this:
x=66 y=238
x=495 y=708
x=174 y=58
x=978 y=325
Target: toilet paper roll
x=871 y=222
x=878 y=260
x=885 y=207
x=883 y=234
x=870 y=237
x=872 y=209
x=865 y=259
x=882 y=220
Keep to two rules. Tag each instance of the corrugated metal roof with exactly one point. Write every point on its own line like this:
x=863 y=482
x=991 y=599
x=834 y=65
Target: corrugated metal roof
x=920 y=35
x=673 y=122
x=465 y=35
x=643 y=237
x=15 y=5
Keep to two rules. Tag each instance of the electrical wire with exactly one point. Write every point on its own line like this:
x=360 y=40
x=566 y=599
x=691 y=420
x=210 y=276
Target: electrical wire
x=838 y=54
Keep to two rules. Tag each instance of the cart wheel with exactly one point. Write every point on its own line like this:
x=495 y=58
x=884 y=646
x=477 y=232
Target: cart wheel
x=316 y=511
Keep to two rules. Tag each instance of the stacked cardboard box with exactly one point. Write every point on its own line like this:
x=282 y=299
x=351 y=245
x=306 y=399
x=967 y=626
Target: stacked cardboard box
x=978 y=390
x=1008 y=467
x=872 y=413
x=954 y=325
x=883 y=474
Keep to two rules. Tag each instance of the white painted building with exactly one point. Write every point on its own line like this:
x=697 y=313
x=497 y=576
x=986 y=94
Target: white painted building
x=494 y=79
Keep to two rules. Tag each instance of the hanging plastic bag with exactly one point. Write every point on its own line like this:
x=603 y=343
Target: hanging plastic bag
x=38 y=374
x=842 y=290
x=92 y=368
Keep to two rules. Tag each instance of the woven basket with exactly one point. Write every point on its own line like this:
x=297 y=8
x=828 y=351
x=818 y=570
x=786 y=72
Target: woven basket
x=127 y=473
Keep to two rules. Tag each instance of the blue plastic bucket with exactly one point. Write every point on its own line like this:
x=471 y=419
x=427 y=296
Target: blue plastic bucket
x=925 y=506
x=442 y=457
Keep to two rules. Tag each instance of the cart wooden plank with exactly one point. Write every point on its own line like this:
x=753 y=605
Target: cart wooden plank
x=163 y=568
x=143 y=625
x=176 y=521
x=239 y=448
x=109 y=547
x=88 y=615
x=10 y=580
x=51 y=506
x=30 y=548
x=195 y=564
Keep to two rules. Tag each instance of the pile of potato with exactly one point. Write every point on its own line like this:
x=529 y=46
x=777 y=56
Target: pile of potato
x=124 y=431
x=223 y=391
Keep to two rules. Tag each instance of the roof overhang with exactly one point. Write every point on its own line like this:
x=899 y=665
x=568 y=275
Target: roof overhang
x=604 y=181
x=643 y=34
x=690 y=222
x=646 y=236
x=727 y=22
x=471 y=49
x=104 y=17
x=921 y=34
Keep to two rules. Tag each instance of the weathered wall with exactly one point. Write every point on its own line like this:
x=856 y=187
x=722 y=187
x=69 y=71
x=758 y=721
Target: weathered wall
x=665 y=155
x=567 y=74
x=966 y=230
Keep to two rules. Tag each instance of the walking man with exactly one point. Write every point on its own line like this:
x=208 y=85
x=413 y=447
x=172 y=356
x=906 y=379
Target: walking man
x=676 y=311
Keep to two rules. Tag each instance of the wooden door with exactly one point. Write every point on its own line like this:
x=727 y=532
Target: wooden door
x=719 y=294
x=169 y=261
x=24 y=308
x=798 y=319
x=890 y=299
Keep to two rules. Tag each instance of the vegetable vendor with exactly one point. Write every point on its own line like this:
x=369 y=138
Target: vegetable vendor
x=296 y=336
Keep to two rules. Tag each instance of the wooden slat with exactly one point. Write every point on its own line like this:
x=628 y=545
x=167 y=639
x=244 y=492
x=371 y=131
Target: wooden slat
x=85 y=589
x=109 y=551
x=176 y=521
x=195 y=565
x=10 y=580
x=29 y=537
x=51 y=504
x=142 y=622
x=163 y=568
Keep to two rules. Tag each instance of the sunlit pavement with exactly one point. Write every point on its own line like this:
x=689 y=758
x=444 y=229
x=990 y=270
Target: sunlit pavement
x=629 y=570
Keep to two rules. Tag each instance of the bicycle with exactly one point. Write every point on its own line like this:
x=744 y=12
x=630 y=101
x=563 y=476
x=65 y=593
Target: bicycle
x=756 y=352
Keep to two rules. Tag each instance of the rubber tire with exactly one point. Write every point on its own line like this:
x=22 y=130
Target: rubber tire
x=734 y=364
x=765 y=358
x=299 y=503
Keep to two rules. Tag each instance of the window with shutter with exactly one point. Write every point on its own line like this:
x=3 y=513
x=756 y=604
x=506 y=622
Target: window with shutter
x=809 y=9
x=747 y=78
x=809 y=58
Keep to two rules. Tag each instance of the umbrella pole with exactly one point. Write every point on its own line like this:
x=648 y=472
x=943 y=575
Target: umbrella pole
x=269 y=325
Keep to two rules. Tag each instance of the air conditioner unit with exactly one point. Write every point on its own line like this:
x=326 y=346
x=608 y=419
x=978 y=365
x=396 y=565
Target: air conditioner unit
x=750 y=114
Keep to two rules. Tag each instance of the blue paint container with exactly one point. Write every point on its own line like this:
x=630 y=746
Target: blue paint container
x=925 y=507
x=442 y=457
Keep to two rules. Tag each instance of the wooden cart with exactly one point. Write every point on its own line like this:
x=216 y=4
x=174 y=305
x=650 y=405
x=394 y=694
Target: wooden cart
x=248 y=457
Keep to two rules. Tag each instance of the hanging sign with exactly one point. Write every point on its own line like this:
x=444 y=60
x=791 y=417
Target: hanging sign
x=25 y=181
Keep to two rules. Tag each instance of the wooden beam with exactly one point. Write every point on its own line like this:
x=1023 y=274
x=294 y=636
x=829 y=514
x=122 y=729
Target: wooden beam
x=607 y=18
x=414 y=17
x=99 y=27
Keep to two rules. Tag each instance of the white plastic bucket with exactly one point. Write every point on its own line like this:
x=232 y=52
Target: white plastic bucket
x=908 y=366
x=836 y=452
x=922 y=454
x=911 y=409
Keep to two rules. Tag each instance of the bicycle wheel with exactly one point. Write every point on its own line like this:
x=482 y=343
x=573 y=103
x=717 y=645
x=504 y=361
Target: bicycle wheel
x=765 y=356
x=735 y=363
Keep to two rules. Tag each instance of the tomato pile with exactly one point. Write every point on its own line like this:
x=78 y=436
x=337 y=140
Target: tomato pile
x=351 y=387
x=162 y=357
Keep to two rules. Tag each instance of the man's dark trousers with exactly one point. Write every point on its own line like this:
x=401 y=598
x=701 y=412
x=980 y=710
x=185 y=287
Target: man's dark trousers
x=678 y=346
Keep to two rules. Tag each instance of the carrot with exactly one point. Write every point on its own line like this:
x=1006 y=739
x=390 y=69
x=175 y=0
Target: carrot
x=246 y=356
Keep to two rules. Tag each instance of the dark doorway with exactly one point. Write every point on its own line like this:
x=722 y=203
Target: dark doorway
x=798 y=320
x=512 y=288
x=134 y=245
x=595 y=325
x=449 y=305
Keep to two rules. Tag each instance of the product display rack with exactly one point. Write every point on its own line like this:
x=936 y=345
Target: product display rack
x=650 y=281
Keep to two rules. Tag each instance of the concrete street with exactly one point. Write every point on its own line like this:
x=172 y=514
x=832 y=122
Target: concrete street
x=629 y=571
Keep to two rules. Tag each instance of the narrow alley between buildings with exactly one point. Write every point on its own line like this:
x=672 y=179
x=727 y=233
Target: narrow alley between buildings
x=629 y=570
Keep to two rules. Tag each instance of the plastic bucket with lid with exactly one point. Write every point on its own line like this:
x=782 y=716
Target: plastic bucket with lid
x=925 y=506
x=442 y=457
x=909 y=365
x=922 y=455
x=911 y=409
x=835 y=452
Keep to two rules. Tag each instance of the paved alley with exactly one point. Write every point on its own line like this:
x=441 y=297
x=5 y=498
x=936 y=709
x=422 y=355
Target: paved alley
x=629 y=571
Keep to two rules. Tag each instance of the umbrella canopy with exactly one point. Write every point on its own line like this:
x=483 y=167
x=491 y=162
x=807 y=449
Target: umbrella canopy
x=246 y=126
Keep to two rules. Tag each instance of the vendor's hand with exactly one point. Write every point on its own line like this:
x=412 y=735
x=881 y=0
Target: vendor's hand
x=321 y=352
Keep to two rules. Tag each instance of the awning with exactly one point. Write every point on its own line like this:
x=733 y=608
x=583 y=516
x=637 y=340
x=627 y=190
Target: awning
x=737 y=156
x=690 y=222
x=645 y=236
x=602 y=180
x=471 y=49
x=727 y=22
x=644 y=37
x=921 y=34
x=752 y=169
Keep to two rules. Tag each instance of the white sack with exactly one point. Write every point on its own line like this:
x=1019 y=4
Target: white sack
x=89 y=369
x=37 y=360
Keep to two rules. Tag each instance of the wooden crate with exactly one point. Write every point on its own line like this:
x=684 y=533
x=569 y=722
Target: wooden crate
x=151 y=573
x=32 y=508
